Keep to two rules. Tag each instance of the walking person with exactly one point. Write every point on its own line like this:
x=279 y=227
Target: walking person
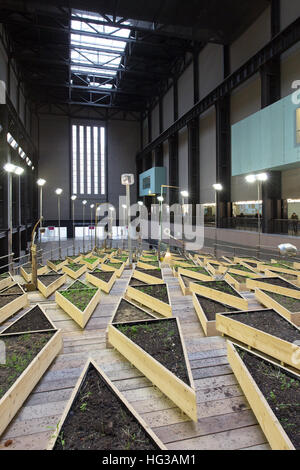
x=295 y=219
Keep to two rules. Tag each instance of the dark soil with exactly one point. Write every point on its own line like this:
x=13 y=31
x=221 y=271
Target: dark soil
x=161 y=340
x=128 y=312
x=16 y=289
x=79 y=297
x=74 y=266
x=136 y=282
x=159 y=291
x=151 y=272
x=270 y=322
x=288 y=277
x=47 y=279
x=28 y=268
x=281 y=390
x=98 y=420
x=253 y=265
x=240 y=267
x=73 y=256
x=33 y=320
x=293 y=305
x=240 y=278
x=276 y=281
x=56 y=261
x=6 y=299
x=212 y=307
x=221 y=286
x=103 y=275
x=20 y=351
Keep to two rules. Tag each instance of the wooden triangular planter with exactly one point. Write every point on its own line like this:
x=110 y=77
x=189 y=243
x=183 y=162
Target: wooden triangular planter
x=116 y=397
x=17 y=302
x=181 y=393
x=147 y=277
x=269 y=302
x=118 y=270
x=72 y=273
x=202 y=274
x=81 y=317
x=209 y=291
x=271 y=427
x=288 y=289
x=101 y=283
x=208 y=325
x=125 y=312
x=238 y=269
x=149 y=301
x=56 y=267
x=274 y=346
x=147 y=265
x=74 y=259
x=47 y=290
x=91 y=265
x=27 y=273
x=6 y=280
x=15 y=396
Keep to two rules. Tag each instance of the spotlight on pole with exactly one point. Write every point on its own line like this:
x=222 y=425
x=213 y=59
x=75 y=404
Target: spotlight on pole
x=41 y=182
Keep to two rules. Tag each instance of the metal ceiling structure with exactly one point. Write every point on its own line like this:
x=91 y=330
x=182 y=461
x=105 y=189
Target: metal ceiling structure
x=114 y=53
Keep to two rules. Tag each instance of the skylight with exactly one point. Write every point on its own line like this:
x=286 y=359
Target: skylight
x=96 y=49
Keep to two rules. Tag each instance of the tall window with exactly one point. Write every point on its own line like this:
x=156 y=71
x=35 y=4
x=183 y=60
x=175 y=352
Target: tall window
x=88 y=160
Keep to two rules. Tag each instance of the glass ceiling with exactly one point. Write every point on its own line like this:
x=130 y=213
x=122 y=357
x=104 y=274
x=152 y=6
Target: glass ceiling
x=97 y=57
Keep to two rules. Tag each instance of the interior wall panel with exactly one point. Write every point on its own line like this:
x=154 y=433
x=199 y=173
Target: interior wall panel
x=185 y=91
x=210 y=68
x=290 y=11
x=155 y=122
x=290 y=69
x=246 y=100
x=207 y=156
x=168 y=109
x=183 y=158
x=251 y=41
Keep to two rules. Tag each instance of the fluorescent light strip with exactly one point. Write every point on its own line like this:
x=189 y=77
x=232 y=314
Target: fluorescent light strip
x=88 y=159
x=102 y=134
x=81 y=158
x=74 y=159
x=96 y=184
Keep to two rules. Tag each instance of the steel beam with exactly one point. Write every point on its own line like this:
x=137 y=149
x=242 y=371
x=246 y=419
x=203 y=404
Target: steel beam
x=193 y=161
x=223 y=159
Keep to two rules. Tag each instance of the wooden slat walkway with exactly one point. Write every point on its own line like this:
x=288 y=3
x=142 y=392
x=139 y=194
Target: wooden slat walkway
x=224 y=418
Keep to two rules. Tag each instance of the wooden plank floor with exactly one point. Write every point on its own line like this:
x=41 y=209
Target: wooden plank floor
x=224 y=418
